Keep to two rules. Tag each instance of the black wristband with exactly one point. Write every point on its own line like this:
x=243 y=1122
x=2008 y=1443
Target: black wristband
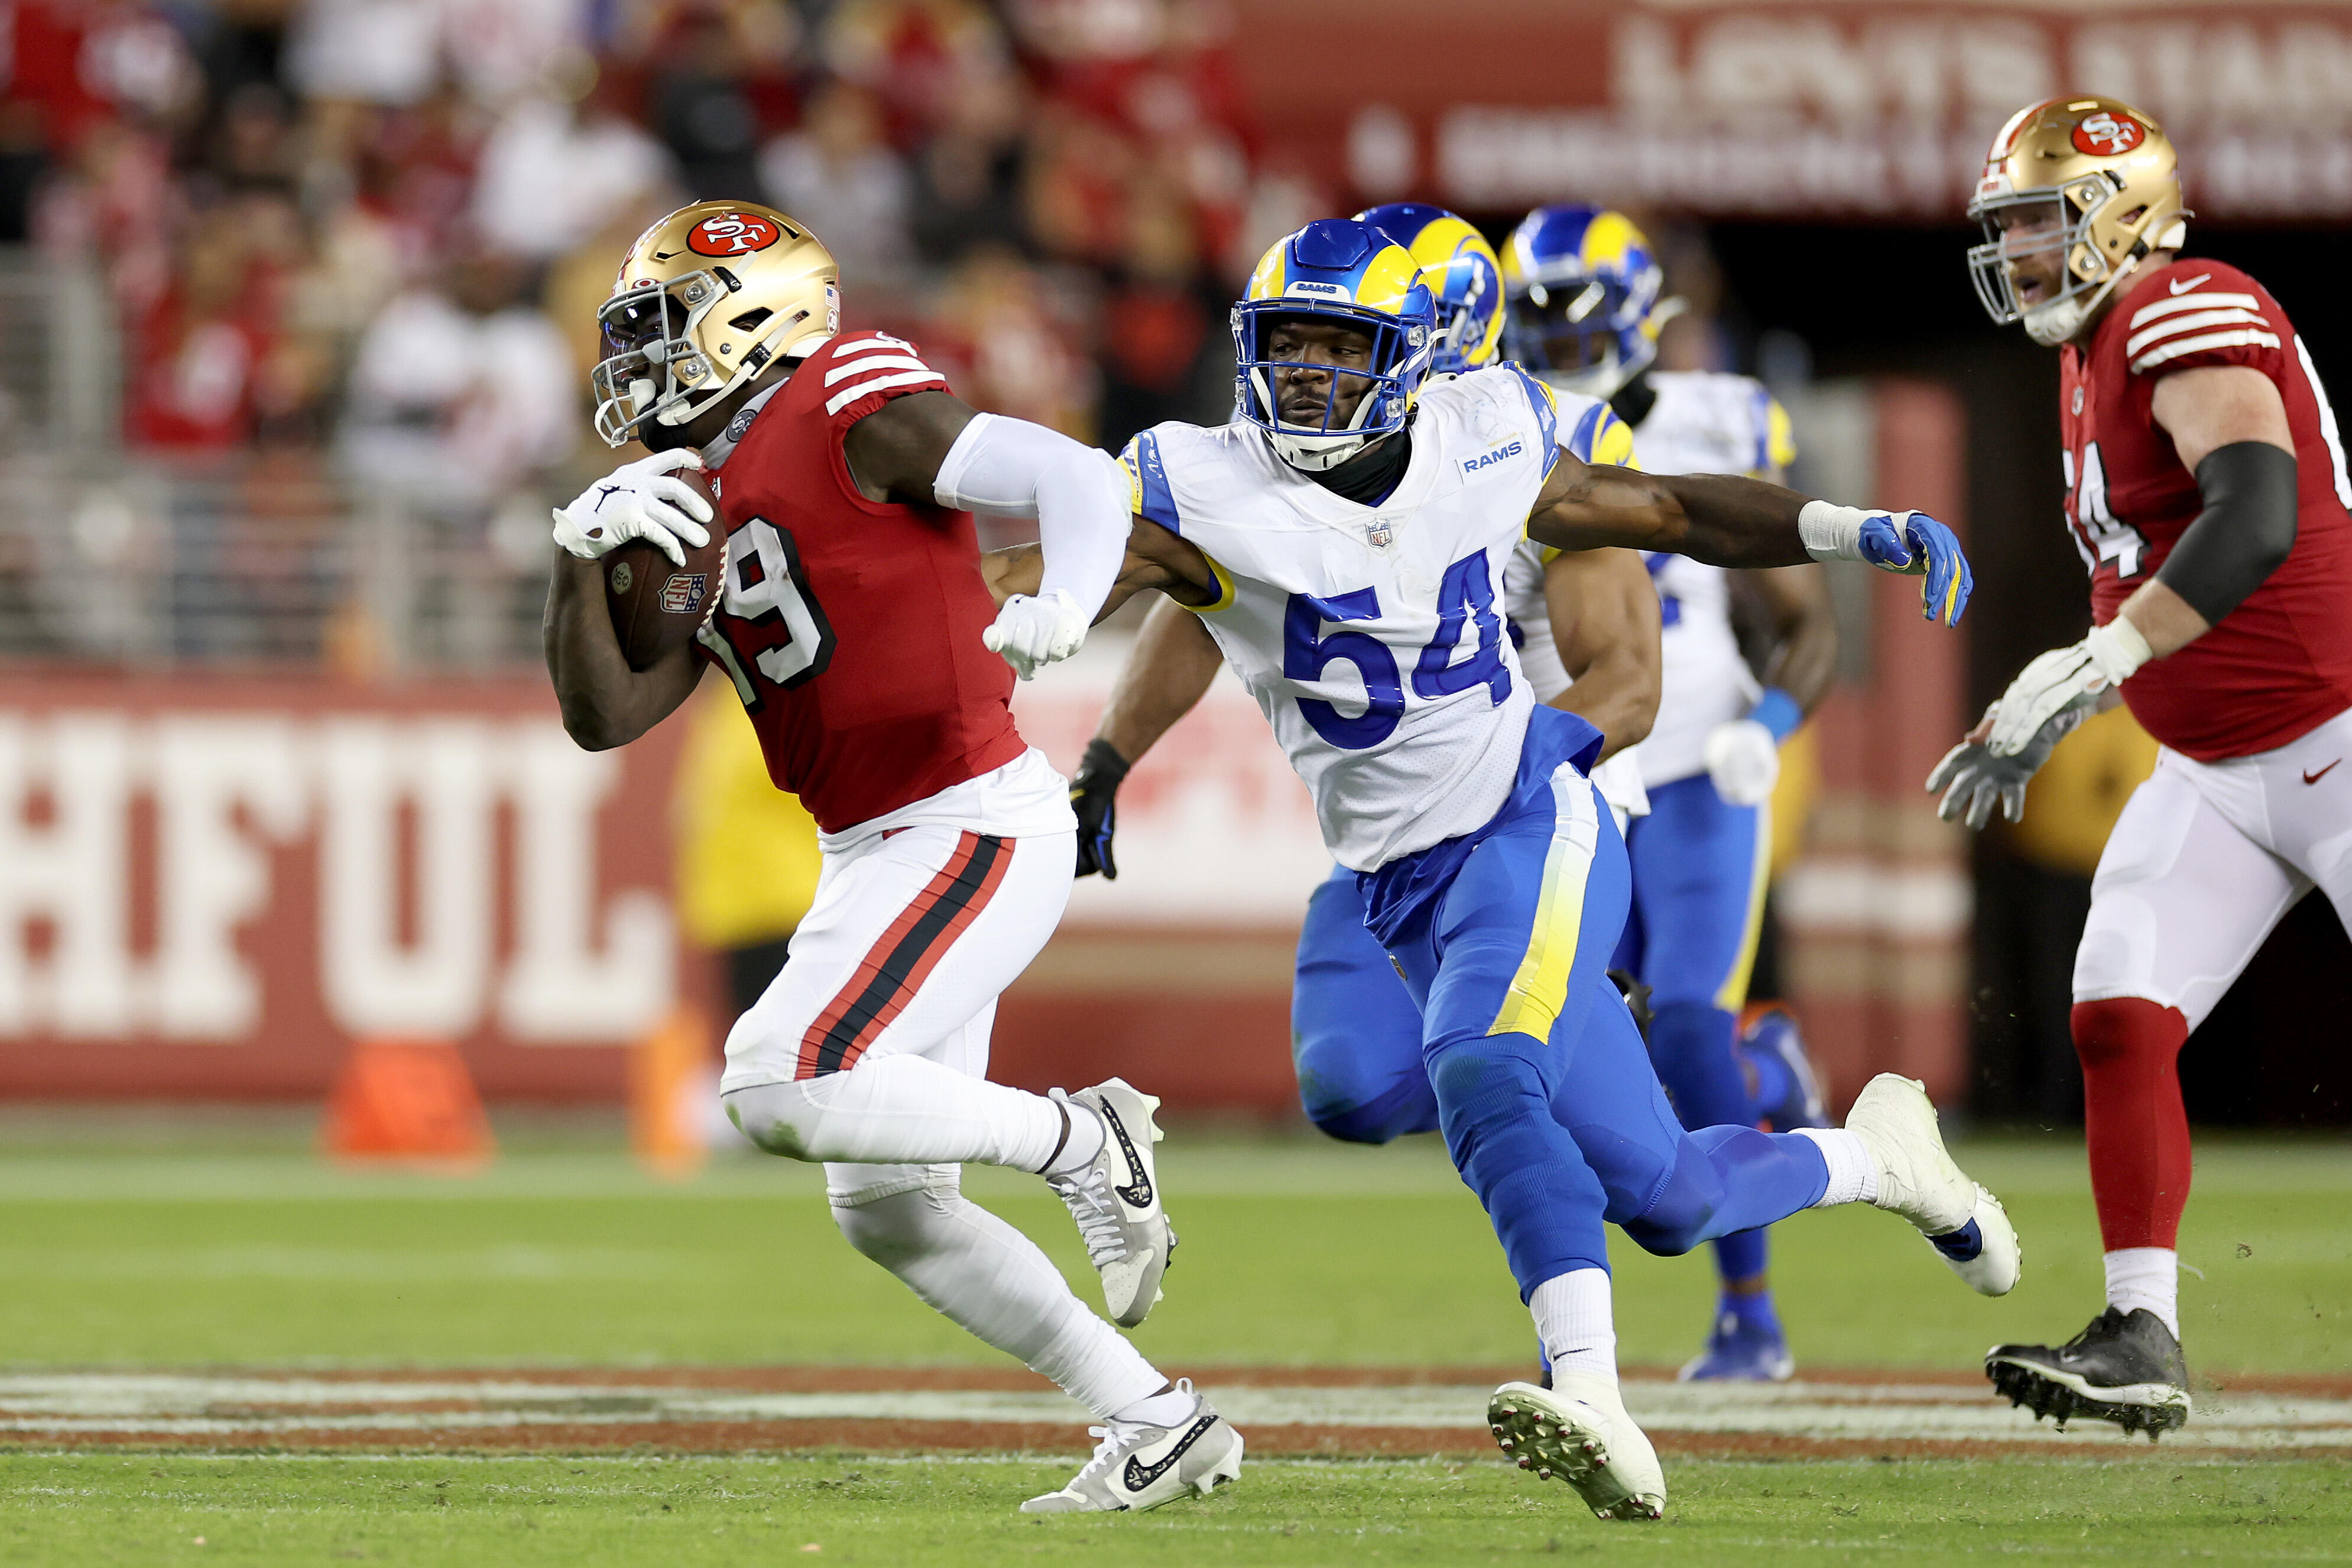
x=1102 y=766
x=2242 y=535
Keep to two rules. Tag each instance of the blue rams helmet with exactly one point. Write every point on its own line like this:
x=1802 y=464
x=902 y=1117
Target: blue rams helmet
x=1352 y=275
x=1582 y=286
x=1464 y=272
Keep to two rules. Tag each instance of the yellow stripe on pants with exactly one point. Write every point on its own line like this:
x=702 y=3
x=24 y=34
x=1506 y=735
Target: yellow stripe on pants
x=1539 y=990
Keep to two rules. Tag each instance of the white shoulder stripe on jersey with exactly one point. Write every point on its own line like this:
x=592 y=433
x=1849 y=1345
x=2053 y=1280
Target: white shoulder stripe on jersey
x=2202 y=319
x=2141 y=318
x=874 y=363
x=871 y=344
x=850 y=394
x=2240 y=338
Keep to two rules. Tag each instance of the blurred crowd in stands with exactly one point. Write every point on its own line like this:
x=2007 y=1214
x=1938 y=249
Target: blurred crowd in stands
x=370 y=236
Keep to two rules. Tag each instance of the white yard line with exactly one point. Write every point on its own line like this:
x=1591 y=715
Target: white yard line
x=189 y=1405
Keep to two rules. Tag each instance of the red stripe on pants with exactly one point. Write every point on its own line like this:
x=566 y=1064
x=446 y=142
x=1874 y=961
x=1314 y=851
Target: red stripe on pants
x=916 y=969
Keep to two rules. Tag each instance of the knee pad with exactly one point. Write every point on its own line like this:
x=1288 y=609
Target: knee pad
x=1401 y=1108
x=894 y=1224
x=1484 y=1084
x=776 y=1117
x=1677 y=1220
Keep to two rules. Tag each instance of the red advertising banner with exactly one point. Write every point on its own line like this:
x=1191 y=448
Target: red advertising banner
x=212 y=885
x=1869 y=111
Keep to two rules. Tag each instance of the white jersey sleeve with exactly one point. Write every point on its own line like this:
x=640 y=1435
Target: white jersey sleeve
x=1373 y=636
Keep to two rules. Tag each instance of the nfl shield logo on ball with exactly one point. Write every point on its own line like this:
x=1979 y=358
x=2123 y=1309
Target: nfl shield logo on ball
x=682 y=594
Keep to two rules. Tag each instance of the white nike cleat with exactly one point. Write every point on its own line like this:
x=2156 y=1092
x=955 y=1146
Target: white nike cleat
x=1917 y=1179
x=1137 y=1466
x=1115 y=1200
x=1578 y=1432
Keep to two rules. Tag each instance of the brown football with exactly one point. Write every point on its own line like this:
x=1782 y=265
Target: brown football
x=657 y=607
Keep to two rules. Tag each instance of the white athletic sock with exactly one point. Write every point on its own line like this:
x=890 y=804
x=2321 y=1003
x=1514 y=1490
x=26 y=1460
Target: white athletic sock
x=1853 y=1174
x=1576 y=1323
x=2146 y=1277
x=901 y=1110
x=1157 y=1410
x=1085 y=1144
x=992 y=1281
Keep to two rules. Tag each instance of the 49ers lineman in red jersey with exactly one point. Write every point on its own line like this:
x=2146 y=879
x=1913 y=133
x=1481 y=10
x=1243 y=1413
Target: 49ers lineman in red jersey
x=2208 y=493
x=852 y=623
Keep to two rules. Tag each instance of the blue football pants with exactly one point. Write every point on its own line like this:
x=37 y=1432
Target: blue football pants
x=1690 y=936
x=1529 y=1061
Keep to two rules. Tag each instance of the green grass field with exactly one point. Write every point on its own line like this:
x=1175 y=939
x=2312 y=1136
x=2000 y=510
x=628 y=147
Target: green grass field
x=228 y=1245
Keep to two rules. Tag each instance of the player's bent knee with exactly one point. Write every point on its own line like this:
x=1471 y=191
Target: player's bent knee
x=1405 y=1107
x=895 y=1227
x=776 y=1117
x=1683 y=1213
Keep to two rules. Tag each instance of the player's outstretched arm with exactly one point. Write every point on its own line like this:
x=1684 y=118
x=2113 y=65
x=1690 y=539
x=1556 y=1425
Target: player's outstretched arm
x=932 y=446
x=1604 y=621
x=1729 y=520
x=2229 y=426
x=1155 y=559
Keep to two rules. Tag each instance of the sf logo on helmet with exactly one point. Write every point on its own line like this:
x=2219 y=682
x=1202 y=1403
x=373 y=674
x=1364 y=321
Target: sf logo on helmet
x=732 y=233
x=2103 y=135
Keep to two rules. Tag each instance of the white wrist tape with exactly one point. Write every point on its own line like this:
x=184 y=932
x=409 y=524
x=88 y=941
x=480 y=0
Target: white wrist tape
x=1831 y=532
x=2117 y=649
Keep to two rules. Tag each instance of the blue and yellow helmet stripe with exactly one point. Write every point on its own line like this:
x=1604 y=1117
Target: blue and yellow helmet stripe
x=1461 y=269
x=1586 y=275
x=1356 y=275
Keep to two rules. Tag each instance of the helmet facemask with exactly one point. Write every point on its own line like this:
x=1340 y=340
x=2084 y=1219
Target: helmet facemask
x=654 y=367
x=2064 y=235
x=1401 y=352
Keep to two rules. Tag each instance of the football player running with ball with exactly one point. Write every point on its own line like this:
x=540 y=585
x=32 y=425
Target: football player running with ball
x=855 y=625
x=1363 y=616
x=2208 y=495
x=1583 y=287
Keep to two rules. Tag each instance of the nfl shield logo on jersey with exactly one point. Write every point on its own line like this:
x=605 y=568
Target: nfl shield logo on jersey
x=1380 y=536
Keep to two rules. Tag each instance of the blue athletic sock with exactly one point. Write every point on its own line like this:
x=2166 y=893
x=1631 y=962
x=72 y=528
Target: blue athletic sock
x=1545 y=1201
x=1741 y=1255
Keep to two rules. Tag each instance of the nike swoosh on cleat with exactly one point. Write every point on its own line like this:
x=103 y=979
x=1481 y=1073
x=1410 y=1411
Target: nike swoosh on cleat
x=1139 y=1194
x=2178 y=286
x=1139 y=1475
x=2315 y=778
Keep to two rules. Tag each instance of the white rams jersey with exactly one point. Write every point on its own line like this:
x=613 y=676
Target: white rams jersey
x=1590 y=430
x=1703 y=422
x=1373 y=635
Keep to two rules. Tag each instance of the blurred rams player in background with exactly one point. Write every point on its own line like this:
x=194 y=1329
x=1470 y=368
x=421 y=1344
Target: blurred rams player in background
x=1584 y=313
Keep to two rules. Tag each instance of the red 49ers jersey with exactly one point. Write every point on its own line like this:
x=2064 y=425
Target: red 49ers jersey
x=851 y=628
x=2280 y=662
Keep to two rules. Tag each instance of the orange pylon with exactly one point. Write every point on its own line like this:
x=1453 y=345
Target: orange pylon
x=407 y=1100
x=670 y=1081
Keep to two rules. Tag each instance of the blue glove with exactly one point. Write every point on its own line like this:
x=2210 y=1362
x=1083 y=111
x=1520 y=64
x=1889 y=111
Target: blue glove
x=1915 y=544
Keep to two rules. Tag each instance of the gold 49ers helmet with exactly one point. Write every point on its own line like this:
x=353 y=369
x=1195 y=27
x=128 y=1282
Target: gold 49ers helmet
x=2090 y=179
x=706 y=299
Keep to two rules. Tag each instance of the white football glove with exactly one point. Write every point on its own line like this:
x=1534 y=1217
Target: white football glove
x=1973 y=778
x=1743 y=760
x=638 y=500
x=1032 y=633
x=2064 y=679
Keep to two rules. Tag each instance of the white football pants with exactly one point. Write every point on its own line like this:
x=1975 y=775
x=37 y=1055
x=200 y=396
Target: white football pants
x=869 y=1052
x=2206 y=859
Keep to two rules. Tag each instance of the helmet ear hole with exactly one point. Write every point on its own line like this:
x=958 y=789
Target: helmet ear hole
x=750 y=320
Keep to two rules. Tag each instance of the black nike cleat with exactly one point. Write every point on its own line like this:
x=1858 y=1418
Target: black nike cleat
x=2123 y=1369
